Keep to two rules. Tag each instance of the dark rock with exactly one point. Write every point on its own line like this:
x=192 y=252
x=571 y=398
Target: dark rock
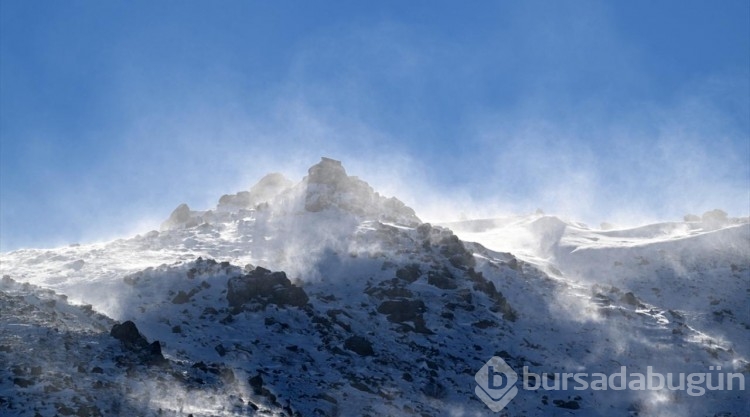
x=402 y=310
x=442 y=279
x=155 y=348
x=134 y=341
x=465 y=296
x=389 y=289
x=88 y=411
x=264 y=287
x=220 y=350
x=181 y=298
x=424 y=230
x=514 y=265
x=362 y=387
x=570 y=405
x=434 y=389
x=327 y=171
x=630 y=299
x=328 y=186
x=53 y=387
x=327 y=397
x=155 y=356
x=210 y=311
x=65 y=410
x=409 y=273
x=293 y=296
x=501 y=304
x=23 y=382
x=483 y=324
x=200 y=366
x=97 y=370
x=359 y=345
x=256 y=383
x=420 y=326
x=128 y=333
x=452 y=248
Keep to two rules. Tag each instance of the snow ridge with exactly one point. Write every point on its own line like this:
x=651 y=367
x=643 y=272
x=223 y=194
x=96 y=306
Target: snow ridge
x=325 y=298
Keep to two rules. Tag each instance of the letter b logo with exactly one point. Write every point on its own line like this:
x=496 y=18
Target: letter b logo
x=496 y=384
x=493 y=377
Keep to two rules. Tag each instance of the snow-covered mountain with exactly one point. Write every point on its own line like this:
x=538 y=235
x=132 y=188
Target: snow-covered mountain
x=323 y=297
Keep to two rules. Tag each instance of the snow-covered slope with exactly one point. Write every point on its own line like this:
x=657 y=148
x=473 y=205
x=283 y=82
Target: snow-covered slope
x=325 y=298
x=699 y=268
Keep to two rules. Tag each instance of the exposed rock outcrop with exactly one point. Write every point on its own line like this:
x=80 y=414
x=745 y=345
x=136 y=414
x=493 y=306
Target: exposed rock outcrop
x=359 y=345
x=328 y=186
x=180 y=217
x=263 y=287
x=135 y=342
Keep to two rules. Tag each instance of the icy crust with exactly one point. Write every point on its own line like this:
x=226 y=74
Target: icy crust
x=326 y=187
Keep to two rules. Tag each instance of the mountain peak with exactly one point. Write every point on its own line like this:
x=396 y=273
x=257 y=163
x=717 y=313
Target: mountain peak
x=327 y=186
x=327 y=171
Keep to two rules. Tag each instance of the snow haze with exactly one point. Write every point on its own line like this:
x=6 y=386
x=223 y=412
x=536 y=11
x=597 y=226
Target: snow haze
x=113 y=114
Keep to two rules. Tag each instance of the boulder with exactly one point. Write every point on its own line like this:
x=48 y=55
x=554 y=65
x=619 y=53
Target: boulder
x=390 y=289
x=128 y=334
x=134 y=341
x=264 y=287
x=442 y=279
x=402 y=310
x=180 y=217
x=409 y=273
x=359 y=345
x=256 y=383
x=452 y=248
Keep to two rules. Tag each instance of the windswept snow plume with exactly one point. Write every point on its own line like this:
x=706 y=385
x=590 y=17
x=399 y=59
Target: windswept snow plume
x=321 y=296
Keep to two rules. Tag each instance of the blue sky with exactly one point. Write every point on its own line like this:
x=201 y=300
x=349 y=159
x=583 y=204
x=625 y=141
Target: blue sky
x=112 y=113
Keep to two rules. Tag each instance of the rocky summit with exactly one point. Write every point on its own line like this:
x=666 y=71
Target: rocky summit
x=324 y=298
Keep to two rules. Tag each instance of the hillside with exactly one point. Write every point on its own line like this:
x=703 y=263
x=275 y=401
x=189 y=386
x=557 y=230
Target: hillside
x=323 y=297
